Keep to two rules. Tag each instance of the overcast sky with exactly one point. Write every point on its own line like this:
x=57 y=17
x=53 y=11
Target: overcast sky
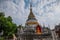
x=46 y=11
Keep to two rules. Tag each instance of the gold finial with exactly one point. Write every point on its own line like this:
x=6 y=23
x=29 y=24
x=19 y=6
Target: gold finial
x=31 y=6
x=31 y=15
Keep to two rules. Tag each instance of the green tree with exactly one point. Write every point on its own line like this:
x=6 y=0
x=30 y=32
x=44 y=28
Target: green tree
x=9 y=18
x=9 y=28
x=2 y=14
x=1 y=38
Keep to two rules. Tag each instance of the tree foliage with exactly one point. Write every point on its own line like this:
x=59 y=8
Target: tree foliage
x=1 y=38
x=6 y=24
x=2 y=14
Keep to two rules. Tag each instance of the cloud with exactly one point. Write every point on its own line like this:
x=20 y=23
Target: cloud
x=17 y=12
x=46 y=11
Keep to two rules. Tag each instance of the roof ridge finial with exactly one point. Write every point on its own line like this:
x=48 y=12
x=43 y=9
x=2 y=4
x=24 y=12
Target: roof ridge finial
x=31 y=5
x=31 y=15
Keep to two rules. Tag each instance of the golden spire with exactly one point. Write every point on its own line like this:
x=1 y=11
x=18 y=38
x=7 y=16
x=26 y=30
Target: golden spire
x=31 y=15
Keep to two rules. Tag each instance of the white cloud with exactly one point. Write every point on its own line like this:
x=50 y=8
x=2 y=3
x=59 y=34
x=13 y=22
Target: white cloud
x=17 y=12
x=46 y=11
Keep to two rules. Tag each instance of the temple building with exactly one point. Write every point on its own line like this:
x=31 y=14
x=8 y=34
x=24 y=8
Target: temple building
x=31 y=23
x=33 y=30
